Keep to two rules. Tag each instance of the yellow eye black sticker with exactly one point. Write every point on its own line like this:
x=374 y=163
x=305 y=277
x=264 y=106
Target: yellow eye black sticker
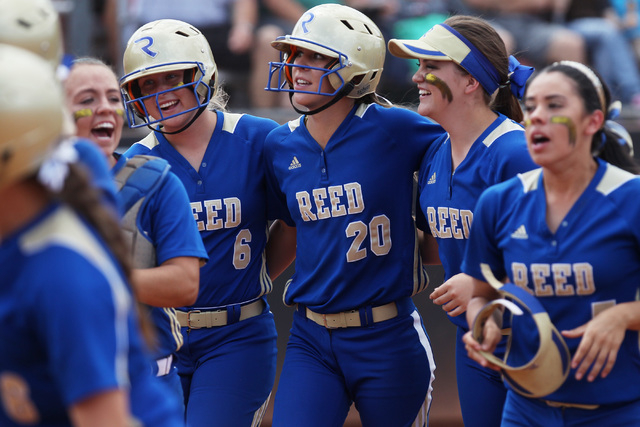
x=85 y=112
x=563 y=120
x=441 y=85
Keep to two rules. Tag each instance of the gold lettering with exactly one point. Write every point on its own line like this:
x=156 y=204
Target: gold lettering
x=540 y=272
x=585 y=285
x=319 y=194
x=560 y=274
x=211 y=208
x=304 y=204
x=354 y=198
x=337 y=209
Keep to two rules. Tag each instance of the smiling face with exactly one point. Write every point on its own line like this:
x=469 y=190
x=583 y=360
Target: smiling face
x=309 y=79
x=558 y=128
x=168 y=102
x=438 y=86
x=93 y=98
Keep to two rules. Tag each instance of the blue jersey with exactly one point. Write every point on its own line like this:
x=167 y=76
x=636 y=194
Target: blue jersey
x=591 y=262
x=351 y=204
x=68 y=326
x=228 y=202
x=448 y=198
x=92 y=158
x=173 y=233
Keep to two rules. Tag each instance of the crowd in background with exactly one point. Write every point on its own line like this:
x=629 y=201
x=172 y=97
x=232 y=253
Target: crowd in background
x=603 y=33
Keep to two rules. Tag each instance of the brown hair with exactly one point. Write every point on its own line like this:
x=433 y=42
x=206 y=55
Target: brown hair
x=482 y=35
x=87 y=201
x=604 y=144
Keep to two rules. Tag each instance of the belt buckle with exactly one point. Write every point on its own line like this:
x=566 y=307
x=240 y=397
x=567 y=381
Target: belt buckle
x=324 y=319
x=326 y=325
x=189 y=313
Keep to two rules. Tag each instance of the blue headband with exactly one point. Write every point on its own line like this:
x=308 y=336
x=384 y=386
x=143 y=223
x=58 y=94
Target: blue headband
x=443 y=43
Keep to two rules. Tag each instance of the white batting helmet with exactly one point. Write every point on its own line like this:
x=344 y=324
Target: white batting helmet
x=31 y=112
x=33 y=25
x=161 y=46
x=340 y=32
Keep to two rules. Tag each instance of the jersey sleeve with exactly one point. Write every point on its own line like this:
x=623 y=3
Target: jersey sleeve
x=415 y=134
x=625 y=197
x=91 y=157
x=83 y=320
x=424 y=174
x=482 y=246
x=276 y=199
x=511 y=157
x=170 y=223
x=137 y=148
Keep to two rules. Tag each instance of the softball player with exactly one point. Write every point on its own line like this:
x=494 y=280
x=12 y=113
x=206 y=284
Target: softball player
x=470 y=86
x=35 y=25
x=543 y=231
x=166 y=245
x=228 y=361
x=75 y=356
x=343 y=174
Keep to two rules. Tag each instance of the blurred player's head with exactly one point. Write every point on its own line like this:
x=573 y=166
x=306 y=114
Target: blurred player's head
x=33 y=25
x=588 y=96
x=166 y=46
x=31 y=112
x=353 y=44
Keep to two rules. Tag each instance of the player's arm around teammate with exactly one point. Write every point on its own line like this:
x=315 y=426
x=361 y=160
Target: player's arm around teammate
x=543 y=232
x=94 y=99
x=76 y=357
x=469 y=85
x=281 y=248
x=342 y=175
x=165 y=247
x=228 y=361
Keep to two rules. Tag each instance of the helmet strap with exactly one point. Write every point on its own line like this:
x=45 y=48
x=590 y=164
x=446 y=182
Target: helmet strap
x=193 y=119
x=346 y=89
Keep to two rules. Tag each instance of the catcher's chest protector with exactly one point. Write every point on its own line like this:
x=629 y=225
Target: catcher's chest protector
x=135 y=182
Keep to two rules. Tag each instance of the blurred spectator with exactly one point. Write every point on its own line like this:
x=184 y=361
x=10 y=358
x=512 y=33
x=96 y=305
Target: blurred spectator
x=534 y=31
x=413 y=19
x=82 y=27
x=608 y=50
x=385 y=13
x=277 y=18
x=627 y=16
x=228 y=25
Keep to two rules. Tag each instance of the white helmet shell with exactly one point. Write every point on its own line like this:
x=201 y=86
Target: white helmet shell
x=168 y=45
x=31 y=112
x=33 y=25
x=346 y=34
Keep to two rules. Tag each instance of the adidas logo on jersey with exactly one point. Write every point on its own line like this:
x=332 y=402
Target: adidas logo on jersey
x=520 y=233
x=295 y=164
x=432 y=180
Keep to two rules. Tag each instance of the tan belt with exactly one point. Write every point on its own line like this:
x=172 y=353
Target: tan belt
x=348 y=319
x=197 y=319
x=570 y=405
